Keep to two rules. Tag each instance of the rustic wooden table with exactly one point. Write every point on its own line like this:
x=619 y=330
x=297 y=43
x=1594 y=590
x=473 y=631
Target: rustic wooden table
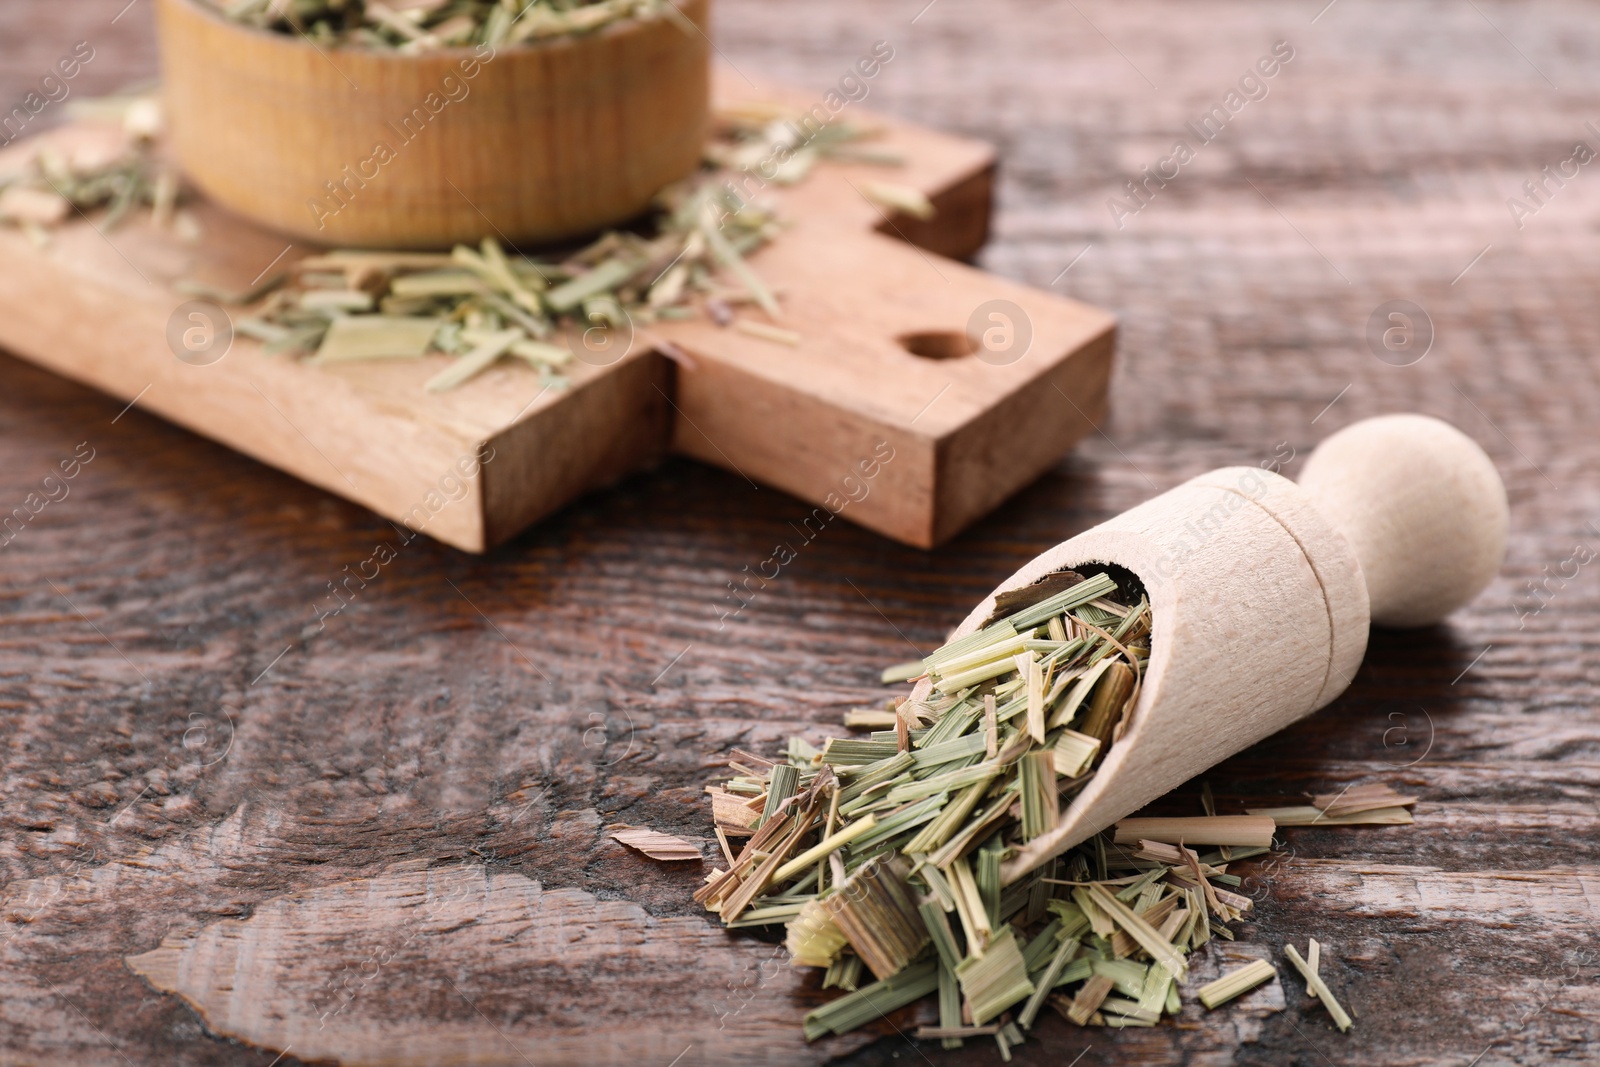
x=380 y=839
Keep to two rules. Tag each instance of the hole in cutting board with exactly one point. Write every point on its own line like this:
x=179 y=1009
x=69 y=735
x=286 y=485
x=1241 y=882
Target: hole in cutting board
x=938 y=344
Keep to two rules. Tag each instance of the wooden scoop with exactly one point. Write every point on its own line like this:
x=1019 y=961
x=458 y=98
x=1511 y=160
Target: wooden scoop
x=1261 y=593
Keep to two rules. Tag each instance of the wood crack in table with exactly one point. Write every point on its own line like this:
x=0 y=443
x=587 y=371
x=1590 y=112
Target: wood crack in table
x=189 y=759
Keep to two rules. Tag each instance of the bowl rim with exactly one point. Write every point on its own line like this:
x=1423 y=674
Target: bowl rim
x=629 y=25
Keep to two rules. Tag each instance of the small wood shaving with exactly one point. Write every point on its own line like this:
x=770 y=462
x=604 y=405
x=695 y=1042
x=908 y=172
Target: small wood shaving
x=1307 y=815
x=1361 y=805
x=1361 y=798
x=657 y=846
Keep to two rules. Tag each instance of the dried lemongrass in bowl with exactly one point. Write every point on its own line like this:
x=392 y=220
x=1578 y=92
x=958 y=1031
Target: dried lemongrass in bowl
x=412 y=26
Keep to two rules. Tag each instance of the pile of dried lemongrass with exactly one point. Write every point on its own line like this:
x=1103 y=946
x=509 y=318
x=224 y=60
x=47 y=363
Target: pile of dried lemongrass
x=411 y=26
x=50 y=185
x=486 y=303
x=782 y=144
x=480 y=304
x=911 y=827
x=883 y=856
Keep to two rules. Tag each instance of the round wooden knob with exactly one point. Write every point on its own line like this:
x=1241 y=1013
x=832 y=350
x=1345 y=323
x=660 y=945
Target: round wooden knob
x=1423 y=508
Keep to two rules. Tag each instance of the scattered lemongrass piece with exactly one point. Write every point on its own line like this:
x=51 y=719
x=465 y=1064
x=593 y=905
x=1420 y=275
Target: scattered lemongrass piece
x=877 y=912
x=930 y=1033
x=1034 y=673
x=1244 y=830
x=1306 y=815
x=727 y=849
x=1236 y=983
x=873 y=1001
x=870 y=719
x=1109 y=703
x=903 y=672
x=1063 y=955
x=783 y=784
x=336 y=300
x=474 y=362
x=729 y=257
x=362 y=337
x=1127 y=976
x=1074 y=752
x=541 y=353
x=768 y=332
x=1171 y=855
x=1128 y=1012
x=1141 y=931
x=843 y=973
x=1123 y=943
x=818 y=851
x=1317 y=987
x=733 y=813
x=1082 y=685
x=1361 y=798
x=1037 y=774
x=995 y=980
x=898 y=197
x=813 y=938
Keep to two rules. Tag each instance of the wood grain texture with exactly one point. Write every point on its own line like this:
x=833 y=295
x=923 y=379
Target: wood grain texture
x=360 y=148
x=596 y=682
x=554 y=957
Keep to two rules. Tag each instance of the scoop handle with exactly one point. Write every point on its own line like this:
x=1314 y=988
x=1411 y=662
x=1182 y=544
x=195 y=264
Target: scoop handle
x=1423 y=508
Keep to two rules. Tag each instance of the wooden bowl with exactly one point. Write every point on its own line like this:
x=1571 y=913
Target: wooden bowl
x=535 y=142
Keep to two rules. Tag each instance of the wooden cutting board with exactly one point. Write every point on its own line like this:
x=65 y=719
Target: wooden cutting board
x=851 y=419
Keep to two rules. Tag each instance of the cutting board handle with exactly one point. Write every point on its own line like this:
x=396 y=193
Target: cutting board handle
x=1423 y=509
